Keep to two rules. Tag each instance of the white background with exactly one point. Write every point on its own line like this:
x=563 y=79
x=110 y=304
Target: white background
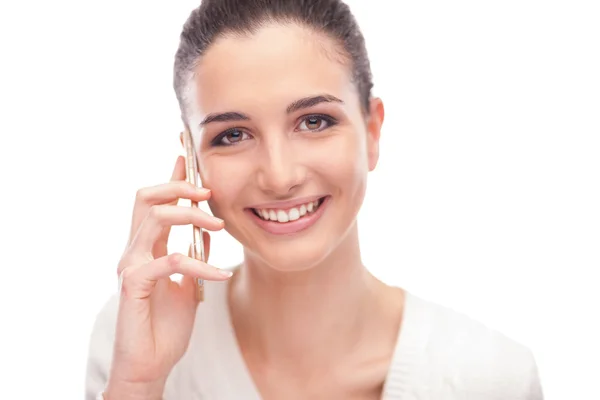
x=487 y=197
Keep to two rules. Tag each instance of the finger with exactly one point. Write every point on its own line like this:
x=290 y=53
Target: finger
x=160 y=194
x=171 y=192
x=161 y=216
x=179 y=170
x=167 y=193
x=139 y=281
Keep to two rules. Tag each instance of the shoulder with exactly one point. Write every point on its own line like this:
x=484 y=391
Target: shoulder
x=472 y=356
x=458 y=333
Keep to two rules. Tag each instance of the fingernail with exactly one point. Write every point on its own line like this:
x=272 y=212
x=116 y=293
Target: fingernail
x=225 y=273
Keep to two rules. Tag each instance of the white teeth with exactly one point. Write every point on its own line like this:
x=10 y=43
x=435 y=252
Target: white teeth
x=294 y=214
x=291 y=215
x=282 y=216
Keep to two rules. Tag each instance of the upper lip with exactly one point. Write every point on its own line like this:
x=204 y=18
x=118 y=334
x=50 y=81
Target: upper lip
x=288 y=203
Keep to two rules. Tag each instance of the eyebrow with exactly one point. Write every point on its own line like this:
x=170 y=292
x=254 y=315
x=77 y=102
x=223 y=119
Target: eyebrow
x=224 y=117
x=300 y=104
x=308 y=102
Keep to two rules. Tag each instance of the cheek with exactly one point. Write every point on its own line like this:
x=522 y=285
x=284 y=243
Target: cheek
x=343 y=160
x=225 y=177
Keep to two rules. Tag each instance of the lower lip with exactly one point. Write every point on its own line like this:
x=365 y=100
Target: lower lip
x=289 y=228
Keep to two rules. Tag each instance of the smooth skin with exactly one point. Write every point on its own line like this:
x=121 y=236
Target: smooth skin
x=310 y=320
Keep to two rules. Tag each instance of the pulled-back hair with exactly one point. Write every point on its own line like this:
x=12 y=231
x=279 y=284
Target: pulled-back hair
x=217 y=18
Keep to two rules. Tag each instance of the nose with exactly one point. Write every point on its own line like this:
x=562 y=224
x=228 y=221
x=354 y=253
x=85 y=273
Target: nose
x=280 y=170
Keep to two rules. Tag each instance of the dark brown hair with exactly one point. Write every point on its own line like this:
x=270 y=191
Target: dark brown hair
x=216 y=18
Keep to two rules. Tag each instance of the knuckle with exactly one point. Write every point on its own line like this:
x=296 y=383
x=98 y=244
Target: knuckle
x=141 y=195
x=127 y=274
x=127 y=278
x=174 y=261
x=127 y=260
x=121 y=266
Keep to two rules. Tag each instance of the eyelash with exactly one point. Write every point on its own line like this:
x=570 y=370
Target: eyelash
x=330 y=121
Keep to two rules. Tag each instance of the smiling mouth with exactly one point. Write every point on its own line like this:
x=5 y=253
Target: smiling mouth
x=288 y=215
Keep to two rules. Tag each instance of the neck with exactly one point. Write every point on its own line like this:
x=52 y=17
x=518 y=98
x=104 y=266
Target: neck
x=306 y=318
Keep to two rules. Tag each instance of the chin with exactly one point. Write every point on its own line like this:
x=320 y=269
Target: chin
x=302 y=253
x=295 y=257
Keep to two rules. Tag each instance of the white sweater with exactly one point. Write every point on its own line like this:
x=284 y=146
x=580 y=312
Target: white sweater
x=440 y=355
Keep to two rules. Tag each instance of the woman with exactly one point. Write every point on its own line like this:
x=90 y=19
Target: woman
x=277 y=95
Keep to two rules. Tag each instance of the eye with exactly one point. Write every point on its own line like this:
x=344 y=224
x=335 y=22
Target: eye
x=230 y=137
x=316 y=123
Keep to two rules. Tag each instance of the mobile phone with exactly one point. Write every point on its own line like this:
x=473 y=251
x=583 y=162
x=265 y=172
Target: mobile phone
x=191 y=169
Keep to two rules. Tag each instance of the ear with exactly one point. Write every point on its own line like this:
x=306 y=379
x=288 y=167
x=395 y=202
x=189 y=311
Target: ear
x=185 y=127
x=374 y=123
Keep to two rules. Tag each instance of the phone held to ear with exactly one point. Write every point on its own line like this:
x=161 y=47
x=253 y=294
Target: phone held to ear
x=191 y=168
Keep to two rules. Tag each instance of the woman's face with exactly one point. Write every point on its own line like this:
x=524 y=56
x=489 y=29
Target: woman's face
x=283 y=143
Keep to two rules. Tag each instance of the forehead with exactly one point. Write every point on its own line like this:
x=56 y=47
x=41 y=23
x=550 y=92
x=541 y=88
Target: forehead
x=279 y=63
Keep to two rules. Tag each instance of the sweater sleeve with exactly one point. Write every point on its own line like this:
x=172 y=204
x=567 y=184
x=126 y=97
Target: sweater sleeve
x=100 y=350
